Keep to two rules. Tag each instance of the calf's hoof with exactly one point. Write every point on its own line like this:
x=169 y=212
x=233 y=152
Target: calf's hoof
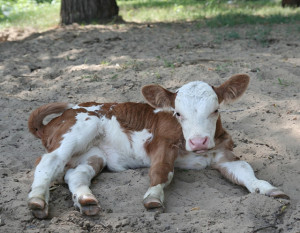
x=38 y=207
x=153 y=204
x=277 y=194
x=88 y=204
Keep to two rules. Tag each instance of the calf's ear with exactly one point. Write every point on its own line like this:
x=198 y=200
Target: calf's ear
x=158 y=97
x=233 y=88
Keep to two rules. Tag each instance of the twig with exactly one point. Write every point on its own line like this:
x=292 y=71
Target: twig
x=262 y=228
x=238 y=110
x=210 y=60
x=26 y=75
x=102 y=224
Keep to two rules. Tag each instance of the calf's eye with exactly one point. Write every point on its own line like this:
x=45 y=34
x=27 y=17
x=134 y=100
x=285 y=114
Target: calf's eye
x=177 y=114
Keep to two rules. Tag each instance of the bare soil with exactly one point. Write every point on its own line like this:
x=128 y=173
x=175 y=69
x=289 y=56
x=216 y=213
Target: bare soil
x=111 y=63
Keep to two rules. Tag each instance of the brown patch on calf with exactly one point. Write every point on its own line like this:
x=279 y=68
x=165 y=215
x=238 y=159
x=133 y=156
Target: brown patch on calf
x=131 y=116
x=96 y=163
x=37 y=161
x=219 y=129
x=222 y=139
x=162 y=161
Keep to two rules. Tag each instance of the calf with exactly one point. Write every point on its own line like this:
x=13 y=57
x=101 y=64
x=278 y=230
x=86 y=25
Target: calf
x=181 y=129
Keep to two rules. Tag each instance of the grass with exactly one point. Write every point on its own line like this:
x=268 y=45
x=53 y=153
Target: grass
x=212 y=13
x=132 y=64
x=92 y=78
x=283 y=82
x=27 y=13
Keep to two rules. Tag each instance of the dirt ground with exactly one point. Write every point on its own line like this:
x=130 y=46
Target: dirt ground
x=111 y=63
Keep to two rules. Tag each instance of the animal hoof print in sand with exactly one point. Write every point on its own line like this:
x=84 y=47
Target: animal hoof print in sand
x=153 y=204
x=88 y=205
x=276 y=193
x=38 y=207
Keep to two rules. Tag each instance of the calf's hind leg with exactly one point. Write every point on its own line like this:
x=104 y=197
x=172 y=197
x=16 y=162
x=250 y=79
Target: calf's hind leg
x=50 y=166
x=240 y=172
x=79 y=180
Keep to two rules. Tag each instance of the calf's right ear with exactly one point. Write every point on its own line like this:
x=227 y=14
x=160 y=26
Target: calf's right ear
x=158 y=97
x=233 y=88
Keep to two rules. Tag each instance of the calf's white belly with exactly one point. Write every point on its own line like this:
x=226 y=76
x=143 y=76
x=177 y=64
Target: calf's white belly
x=124 y=151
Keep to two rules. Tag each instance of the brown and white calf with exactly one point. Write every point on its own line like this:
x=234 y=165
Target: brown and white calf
x=181 y=129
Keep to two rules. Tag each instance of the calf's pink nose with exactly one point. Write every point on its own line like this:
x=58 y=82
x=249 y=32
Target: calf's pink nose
x=199 y=143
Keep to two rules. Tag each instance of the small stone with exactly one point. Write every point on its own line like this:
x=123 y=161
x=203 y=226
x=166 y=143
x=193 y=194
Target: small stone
x=167 y=228
x=2 y=223
x=125 y=223
x=119 y=224
x=156 y=215
x=54 y=220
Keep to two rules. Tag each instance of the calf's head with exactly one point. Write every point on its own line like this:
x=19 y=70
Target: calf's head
x=196 y=105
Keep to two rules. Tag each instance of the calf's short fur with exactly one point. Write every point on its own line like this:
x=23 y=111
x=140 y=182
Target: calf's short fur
x=181 y=129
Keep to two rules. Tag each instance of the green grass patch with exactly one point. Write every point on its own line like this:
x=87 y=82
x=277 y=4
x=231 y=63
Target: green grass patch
x=283 y=82
x=212 y=13
x=29 y=13
x=260 y=35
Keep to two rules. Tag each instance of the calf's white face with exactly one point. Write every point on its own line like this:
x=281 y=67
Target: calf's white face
x=196 y=108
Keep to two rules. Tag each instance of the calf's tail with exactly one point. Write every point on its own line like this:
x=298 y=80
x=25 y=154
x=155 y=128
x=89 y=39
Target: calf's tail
x=35 y=121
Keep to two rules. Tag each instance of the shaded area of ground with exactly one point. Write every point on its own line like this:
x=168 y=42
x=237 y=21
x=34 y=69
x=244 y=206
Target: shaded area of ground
x=111 y=63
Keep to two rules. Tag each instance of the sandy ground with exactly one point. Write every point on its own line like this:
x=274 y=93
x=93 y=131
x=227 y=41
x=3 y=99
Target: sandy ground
x=111 y=63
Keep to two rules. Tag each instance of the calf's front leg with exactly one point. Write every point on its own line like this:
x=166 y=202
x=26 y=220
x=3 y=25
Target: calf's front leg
x=240 y=172
x=161 y=174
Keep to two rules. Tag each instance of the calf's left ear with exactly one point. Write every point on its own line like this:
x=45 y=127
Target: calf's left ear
x=233 y=88
x=158 y=97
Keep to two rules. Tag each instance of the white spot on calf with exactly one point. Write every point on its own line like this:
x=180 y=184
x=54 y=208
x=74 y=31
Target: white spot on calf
x=169 y=109
x=157 y=191
x=89 y=109
x=123 y=150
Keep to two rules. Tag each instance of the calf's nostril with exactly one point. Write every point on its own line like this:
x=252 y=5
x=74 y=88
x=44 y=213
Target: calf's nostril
x=205 y=141
x=191 y=142
x=199 y=143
